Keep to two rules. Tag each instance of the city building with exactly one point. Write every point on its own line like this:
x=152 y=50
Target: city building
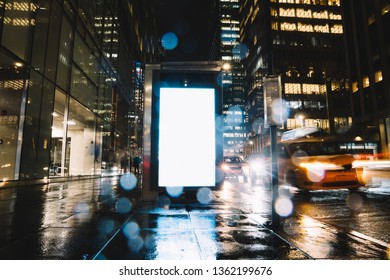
x=234 y=98
x=303 y=42
x=367 y=29
x=67 y=85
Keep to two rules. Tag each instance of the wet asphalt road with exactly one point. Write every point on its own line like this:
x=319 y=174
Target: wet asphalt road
x=99 y=219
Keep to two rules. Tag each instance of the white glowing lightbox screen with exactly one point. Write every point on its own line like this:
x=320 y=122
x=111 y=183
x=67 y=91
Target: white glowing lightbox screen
x=187 y=147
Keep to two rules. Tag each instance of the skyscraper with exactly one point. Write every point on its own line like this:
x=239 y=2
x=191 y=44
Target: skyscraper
x=367 y=25
x=234 y=98
x=302 y=41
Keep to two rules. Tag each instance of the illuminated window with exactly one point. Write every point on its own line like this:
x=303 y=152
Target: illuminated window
x=305 y=27
x=335 y=85
x=321 y=28
x=371 y=19
x=287 y=12
x=302 y=13
x=334 y=2
x=290 y=88
x=311 y=89
x=366 y=82
x=355 y=87
x=321 y=15
x=274 y=12
x=255 y=14
x=322 y=89
x=335 y=16
x=378 y=76
x=337 y=29
x=385 y=9
x=286 y=26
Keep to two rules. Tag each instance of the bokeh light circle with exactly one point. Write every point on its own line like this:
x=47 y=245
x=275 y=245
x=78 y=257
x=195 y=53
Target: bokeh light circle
x=204 y=195
x=169 y=41
x=131 y=230
x=279 y=111
x=123 y=205
x=128 y=181
x=174 y=191
x=284 y=206
x=355 y=201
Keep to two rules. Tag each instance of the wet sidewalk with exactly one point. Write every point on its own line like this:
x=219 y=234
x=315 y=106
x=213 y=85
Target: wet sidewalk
x=99 y=219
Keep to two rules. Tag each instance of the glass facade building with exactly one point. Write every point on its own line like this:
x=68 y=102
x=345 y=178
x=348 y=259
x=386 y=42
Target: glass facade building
x=234 y=98
x=68 y=85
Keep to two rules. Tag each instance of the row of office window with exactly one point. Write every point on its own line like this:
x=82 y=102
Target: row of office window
x=297 y=88
x=305 y=27
x=305 y=13
x=310 y=2
x=366 y=81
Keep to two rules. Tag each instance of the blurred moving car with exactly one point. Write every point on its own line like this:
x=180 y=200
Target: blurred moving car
x=312 y=164
x=234 y=166
x=373 y=172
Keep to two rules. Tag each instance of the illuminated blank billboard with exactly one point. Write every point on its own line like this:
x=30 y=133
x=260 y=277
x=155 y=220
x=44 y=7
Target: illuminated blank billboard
x=187 y=142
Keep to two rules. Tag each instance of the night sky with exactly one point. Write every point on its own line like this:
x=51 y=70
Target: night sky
x=188 y=20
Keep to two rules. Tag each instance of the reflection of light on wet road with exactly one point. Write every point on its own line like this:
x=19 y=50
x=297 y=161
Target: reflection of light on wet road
x=174 y=239
x=310 y=228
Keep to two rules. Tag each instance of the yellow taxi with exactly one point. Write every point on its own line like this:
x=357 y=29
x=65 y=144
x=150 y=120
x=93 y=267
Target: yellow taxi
x=313 y=164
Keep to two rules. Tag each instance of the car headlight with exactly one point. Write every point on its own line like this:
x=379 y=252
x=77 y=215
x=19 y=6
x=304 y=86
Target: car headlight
x=257 y=165
x=320 y=166
x=225 y=167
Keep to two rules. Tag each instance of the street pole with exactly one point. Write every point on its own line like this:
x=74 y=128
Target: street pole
x=275 y=223
x=273 y=118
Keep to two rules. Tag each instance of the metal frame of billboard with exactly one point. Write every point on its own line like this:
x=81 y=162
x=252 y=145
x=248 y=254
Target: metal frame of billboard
x=181 y=74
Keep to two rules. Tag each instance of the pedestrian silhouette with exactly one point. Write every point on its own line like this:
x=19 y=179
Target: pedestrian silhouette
x=124 y=163
x=136 y=164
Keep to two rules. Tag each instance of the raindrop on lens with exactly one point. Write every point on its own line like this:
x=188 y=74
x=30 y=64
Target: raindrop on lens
x=128 y=181
x=131 y=230
x=354 y=201
x=241 y=50
x=106 y=225
x=204 y=195
x=123 y=205
x=279 y=111
x=169 y=41
x=174 y=191
x=135 y=244
x=299 y=156
x=315 y=175
x=164 y=201
x=284 y=206
x=291 y=227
